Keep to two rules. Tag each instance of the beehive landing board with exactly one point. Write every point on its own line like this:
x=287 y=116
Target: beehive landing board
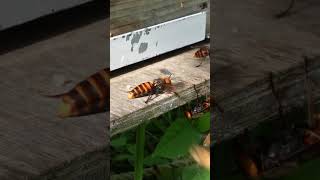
x=250 y=43
x=34 y=142
x=127 y=113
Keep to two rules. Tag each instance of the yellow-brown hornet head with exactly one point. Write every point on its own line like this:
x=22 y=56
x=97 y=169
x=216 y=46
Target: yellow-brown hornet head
x=167 y=80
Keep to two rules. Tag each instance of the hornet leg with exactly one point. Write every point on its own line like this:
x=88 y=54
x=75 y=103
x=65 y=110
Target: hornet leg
x=148 y=99
x=200 y=63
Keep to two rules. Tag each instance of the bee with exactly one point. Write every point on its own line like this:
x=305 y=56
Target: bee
x=155 y=87
x=199 y=108
x=87 y=97
x=202 y=53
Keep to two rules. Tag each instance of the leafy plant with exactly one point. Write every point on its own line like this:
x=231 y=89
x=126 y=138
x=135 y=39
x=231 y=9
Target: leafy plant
x=140 y=137
x=177 y=140
x=203 y=123
x=195 y=173
x=164 y=140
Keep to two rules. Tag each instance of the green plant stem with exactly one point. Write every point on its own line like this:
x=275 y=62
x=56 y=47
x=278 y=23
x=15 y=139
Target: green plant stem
x=140 y=138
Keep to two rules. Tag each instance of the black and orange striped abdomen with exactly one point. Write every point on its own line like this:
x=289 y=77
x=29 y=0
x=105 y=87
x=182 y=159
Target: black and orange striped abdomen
x=87 y=97
x=202 y=52
x=188 y=114
x=141 y=90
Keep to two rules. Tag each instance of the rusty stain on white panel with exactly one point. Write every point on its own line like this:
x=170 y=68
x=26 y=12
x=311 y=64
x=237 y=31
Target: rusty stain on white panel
x=139 y=45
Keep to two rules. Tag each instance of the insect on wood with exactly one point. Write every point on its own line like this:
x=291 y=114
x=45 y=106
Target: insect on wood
x=89 y=96
x=202 y=53
x=199 y=108
x=155 y=87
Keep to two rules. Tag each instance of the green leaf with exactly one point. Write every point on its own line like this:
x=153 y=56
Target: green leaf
x=131 y=148
x=118 y=142
x=177 y=140
x=159 y=124
x=122 y=157
x=195 y=173
x=151 y=160
x=203 y=123
x=168 y=173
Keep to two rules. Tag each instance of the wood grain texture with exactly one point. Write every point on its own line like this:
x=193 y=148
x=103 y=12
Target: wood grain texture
x=34 y=142
x=249 y=44
x=128 y=113
x=128 y=15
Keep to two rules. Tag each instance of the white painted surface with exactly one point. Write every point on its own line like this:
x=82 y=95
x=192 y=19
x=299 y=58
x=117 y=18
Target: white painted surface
x=15 y=12
x=136 y=46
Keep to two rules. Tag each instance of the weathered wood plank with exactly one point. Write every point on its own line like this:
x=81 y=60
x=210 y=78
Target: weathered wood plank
x=126 y=114
x=256 y=103
x=157 y=7
x=126 y=16
x=248 y=50
x=34 y=142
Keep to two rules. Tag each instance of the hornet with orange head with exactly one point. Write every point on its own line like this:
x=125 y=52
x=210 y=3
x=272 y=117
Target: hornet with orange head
x=87 y=97
x=155 y=87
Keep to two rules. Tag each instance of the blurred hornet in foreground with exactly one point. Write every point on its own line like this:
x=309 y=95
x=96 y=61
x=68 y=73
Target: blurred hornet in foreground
x=87 y=97
x=206 y=141
x=155 y=87
x=199 y=108
x=202 y=53
x=201 y=154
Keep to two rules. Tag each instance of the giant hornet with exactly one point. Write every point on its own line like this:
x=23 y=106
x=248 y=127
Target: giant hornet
x=199 y=108
x=201 y=153
x=87 y=97
x=155 y=87
x=202 y=54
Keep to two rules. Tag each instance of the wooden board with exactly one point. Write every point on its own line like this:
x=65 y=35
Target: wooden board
x=34 y=142
x=250 y=44
x=128 y=113
x=27 y=11
x=128 y=15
